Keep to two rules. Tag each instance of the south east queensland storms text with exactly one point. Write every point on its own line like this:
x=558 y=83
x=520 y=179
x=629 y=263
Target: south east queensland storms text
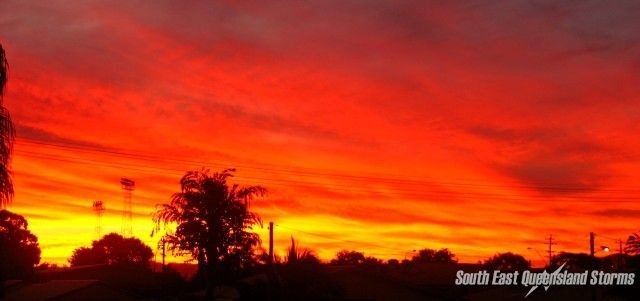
x=528 y=278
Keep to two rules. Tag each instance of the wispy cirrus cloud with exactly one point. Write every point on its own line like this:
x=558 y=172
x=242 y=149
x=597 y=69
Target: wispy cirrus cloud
x=474 y=110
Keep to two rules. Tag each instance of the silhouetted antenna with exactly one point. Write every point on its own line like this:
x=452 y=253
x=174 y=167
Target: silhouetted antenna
x=551 y=243
x=98 y=208
x=128 y=186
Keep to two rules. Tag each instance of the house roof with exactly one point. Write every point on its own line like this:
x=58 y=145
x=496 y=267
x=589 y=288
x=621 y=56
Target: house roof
x=47 y=290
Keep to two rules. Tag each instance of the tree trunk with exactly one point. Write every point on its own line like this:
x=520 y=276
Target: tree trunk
x=211 y=272
x=203 y=270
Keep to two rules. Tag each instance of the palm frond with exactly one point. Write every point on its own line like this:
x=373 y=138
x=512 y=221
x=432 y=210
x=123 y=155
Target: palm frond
x=633 y=244
x=212 y=219
x=4 y=67
x=7 y=136
x=6 y=186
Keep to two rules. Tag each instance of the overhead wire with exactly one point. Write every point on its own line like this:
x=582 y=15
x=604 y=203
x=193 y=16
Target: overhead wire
x=403 y=192
x=395 y=179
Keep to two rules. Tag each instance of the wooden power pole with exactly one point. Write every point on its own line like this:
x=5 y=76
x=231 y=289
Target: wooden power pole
x=551 y=243
x=620 y=256
x=270 y=242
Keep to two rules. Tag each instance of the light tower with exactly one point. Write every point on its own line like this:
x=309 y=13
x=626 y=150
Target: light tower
x=98 y=208
x=128 y=186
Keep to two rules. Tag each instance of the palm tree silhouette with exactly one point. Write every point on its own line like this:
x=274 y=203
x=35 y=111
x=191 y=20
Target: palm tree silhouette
x=7 y=134
x=296 y=255
x=213 y=222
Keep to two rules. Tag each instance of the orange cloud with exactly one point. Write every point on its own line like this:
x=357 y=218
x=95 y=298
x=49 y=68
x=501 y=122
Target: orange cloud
x=381 y=127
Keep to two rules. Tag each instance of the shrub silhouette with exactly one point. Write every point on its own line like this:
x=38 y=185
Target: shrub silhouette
x=113 y=249
x=346 y=257
x=507 y=262
x=431 y=255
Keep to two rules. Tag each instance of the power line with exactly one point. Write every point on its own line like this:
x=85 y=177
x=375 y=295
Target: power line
x=551 y=243
x=611 y=238
x=343 y=240
x=424 y=193
x=538 y=252
x=397 y=251
x=317 y=172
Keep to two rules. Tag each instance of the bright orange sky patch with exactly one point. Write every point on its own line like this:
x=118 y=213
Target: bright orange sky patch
x=376 y=127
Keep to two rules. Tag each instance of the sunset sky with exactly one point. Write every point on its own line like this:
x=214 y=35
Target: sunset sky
x=376 y=126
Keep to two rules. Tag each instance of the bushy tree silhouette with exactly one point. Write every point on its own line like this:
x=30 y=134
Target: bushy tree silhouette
x=370 y=260
x=393 y=262
x=113 y=249
x=507 y=262
x=632 y=246
x=575 y=261
x=431 y=255
x=7 y=135
x=19 y=249
x=86 y=256
x=213 y=223
x=346 y=257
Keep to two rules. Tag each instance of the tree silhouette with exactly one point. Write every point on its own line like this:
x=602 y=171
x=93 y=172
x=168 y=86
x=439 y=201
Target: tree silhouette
x=19 y=248
x=3 y=69
x=86 y=256
x=507 y=262
x=295 y=255
x=370 y=260
x=213 y=223
x=632 y=246
x=300 y=277
x=7 y=135
x=575 y=261
x=430 y=255
x=113 y=249
x=346 y=257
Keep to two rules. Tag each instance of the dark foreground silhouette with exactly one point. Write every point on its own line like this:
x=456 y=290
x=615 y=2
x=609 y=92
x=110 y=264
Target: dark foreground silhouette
x=214 y=227
x=291 y=281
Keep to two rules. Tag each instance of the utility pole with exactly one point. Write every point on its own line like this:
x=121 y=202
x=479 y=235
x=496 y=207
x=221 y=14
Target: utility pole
x=164 y=255
x=270 y=242
x=620 y=255
x=551 y=243
x=592 y=245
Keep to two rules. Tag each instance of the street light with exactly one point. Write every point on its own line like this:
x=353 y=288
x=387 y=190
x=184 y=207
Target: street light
x=606 y=248
x=537 y=252
x=405 y=254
